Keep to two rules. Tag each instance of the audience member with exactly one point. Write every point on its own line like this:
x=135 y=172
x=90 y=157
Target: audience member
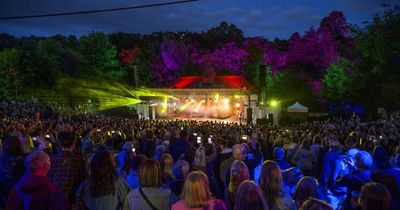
x=11 y=166
x=133 y=176
x=151 y=194
x=167 y=175
x=250 y=197
x=67 y=169
x=279 y=154
x=196 y=194
x=34 y=190
x=271 y=185
x=306 y=188
x=239 y=173
x=375 y=196
x=103 y=189
x=181 y=170
x=315 y=204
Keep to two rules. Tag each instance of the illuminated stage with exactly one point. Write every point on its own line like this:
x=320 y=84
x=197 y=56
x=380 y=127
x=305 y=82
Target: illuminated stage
x=226 y=105
x=208 y=97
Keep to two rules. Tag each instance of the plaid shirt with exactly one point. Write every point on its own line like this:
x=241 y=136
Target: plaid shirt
x=67 y=171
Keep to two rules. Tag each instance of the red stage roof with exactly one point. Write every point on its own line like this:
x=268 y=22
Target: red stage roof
x=230 y=81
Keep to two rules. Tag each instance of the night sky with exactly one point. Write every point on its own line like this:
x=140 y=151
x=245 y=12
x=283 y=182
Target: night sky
x=270 y=19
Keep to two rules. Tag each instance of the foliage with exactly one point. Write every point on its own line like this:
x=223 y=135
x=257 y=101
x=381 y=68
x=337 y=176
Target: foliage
x=168 y=64
x=335 y=80
x=13 y=75
x=128 y=56
x=288 y=86
x=99 y=52
x=374 y=81
x=228 y=56
x=333 y=62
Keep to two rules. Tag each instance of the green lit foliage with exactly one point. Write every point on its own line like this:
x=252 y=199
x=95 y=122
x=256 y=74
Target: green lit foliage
x=288 y=86
x=335 y=80
x=100 y=54
x=13 y=74
x=379 y=41
x=254 y=60
x=49 y=65
x=374 y=82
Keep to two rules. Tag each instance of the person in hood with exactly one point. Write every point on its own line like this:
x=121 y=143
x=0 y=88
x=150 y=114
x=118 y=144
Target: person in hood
x=34 y=189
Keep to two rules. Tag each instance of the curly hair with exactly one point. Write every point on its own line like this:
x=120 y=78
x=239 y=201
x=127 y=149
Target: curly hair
x=103 y=174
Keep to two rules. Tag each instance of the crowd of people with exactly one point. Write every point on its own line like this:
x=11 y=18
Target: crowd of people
x=49 y=161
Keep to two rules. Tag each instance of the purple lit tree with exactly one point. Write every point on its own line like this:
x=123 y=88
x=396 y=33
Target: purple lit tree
x=270 y=56
x=313 y=52
x=228 y=57
x=168 y=64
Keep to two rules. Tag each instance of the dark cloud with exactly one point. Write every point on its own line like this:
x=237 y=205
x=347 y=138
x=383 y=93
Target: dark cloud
x=255 y=17
x=366 y=5
x=300 y=14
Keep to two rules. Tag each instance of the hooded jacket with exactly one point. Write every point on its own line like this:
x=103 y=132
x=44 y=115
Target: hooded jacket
x=36 y=192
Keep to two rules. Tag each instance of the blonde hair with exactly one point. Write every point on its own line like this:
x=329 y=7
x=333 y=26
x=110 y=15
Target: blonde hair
x=150 y=174
x=167 y=163
x=239 y=173
x=196 y=191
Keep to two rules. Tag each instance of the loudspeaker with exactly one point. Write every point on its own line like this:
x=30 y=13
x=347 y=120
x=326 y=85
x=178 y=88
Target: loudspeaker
x=249 y=115
x=263 y=75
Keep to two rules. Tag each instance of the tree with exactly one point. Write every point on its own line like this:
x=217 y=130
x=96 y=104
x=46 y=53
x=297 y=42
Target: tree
x=255 y=56
x=313 y=52
x=221 y=34
x=335 y=80
x=100 y=53
x=13 y=74
x=288 y=86
x=129 y=60
x=48 y=63
x=173 y=55
x=227 y=57
x=7 y=41
x=374 y=80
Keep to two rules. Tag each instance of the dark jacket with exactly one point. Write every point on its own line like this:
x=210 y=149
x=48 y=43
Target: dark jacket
x=146 y=147
x=283 y=165
x=36 y=192
x=354 y=182
x=179 y=148
x=327 y=176
x=11 y=169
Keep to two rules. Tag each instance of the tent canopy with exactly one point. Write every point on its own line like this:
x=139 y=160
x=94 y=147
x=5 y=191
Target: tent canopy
x=297 y=107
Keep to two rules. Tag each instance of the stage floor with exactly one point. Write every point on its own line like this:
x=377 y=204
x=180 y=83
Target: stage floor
x=227 y=120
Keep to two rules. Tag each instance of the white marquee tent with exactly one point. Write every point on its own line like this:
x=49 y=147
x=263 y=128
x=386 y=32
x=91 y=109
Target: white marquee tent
x=297 y=107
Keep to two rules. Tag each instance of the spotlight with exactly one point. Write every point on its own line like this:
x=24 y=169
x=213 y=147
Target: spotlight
x=216 y=97
x=273 y=103
x=237 y=105
x=226 y=101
